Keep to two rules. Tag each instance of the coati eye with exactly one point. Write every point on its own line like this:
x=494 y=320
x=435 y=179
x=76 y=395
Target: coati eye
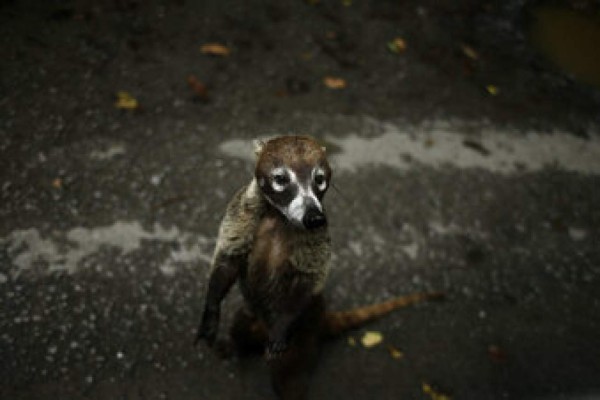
x=319 y=178
x=279 y=180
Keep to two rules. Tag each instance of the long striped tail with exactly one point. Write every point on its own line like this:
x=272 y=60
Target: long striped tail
x=336 y=323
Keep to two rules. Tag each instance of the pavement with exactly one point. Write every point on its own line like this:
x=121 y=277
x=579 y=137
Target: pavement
x=464 y=161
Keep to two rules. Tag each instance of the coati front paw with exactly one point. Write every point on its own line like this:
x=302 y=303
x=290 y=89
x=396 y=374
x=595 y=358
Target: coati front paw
x=224 y=349
x=275 y=348
x=208 y=328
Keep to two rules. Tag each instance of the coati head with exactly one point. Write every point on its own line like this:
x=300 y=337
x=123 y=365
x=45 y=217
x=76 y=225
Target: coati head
x=293 y=174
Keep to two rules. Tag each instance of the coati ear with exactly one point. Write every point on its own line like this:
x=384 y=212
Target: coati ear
x=258 y=146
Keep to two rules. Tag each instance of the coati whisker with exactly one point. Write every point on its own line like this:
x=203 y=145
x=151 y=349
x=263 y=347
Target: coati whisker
x=338 y=191
x=275 y=241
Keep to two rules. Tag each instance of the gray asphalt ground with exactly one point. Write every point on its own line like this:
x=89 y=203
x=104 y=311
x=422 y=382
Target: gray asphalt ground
x=108 y=216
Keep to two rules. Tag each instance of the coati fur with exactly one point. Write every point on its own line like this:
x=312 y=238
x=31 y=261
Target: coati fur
x=274 y=240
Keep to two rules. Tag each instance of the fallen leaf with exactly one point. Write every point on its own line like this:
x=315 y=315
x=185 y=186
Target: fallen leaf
x=296 y=86
x=57 y=183
x=347 y=3
x=351 y=341
x=313 y=2
x=334 y=83
x=398 y=45
x=371 y=338
x=469 y=52
x=493 y=90
x=429 y=142
x=126 y=101
x=395 y=353
x=170 y=201
x=434 y=394
x=198 y=87
x=215 y=49
x=496 y=353
x=476 y=146
x=307 y=55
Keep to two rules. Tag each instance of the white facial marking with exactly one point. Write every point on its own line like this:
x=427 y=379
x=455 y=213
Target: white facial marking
x=282 y=178
x=296 y=209
x=319 y=178
x=310 y=196
x=305 y=198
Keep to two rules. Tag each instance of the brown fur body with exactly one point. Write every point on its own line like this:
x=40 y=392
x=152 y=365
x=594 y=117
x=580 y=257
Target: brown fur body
x=286 y=267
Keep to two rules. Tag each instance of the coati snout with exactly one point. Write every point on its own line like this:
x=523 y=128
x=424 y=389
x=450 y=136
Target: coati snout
x=314 y=218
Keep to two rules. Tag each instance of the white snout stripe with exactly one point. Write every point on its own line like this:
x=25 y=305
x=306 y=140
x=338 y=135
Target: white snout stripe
x=304 y=198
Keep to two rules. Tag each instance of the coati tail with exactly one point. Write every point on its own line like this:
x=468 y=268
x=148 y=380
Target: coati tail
x=336 y=323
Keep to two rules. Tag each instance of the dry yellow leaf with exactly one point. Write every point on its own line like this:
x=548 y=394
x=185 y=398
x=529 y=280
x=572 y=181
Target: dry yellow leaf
x=307 y=55
x=351 y=341
x=333 y=82
x=215 y=49
x=397 y=45
x=469 y=52
x=395 y=353
x=197 y=86
x=57 y=183
x=434 y=394
x=126 y=101
x=493 y=90
x=371 y=338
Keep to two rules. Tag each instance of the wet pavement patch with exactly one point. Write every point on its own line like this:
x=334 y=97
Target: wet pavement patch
x=31 y=251
x=438 y=144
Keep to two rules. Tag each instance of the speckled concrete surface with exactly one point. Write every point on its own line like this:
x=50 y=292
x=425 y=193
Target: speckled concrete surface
x=108 y=217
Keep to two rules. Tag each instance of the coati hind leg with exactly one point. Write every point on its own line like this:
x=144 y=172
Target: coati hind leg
x=292 y=370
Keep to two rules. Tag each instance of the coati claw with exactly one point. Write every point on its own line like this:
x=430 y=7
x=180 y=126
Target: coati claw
x=275 y=349
x=208 y=329
x=206 y=334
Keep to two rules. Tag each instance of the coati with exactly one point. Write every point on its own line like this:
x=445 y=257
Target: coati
x=274 y=240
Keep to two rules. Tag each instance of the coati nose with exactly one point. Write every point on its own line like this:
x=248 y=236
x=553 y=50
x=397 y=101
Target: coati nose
x=314 y=218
